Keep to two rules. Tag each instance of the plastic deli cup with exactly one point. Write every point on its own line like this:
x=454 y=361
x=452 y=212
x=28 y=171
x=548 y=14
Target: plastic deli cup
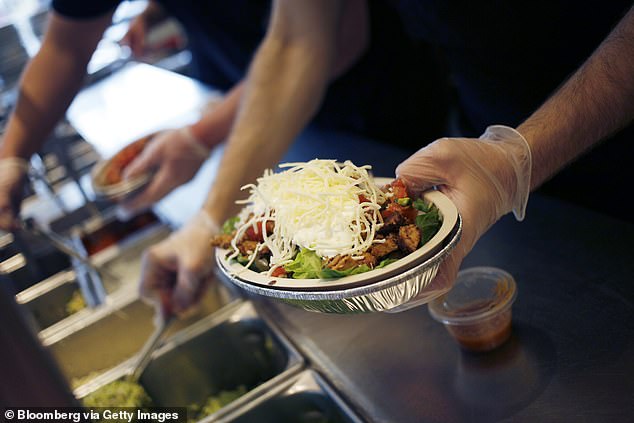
x=477 y=310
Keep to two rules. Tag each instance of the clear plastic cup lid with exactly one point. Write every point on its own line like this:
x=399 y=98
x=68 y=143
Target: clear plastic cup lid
x=478 y=293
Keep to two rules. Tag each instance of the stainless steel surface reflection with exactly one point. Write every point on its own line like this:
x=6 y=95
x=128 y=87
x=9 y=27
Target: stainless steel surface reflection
x=501 y=382
x=136 y=100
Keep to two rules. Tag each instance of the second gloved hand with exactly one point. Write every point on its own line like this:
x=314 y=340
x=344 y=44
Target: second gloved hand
x=176 y=156
x=485 y=178
x=177 y=269
x=13 y=172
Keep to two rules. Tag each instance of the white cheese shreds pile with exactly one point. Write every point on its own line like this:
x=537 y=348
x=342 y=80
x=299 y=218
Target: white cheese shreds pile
x=328 y=207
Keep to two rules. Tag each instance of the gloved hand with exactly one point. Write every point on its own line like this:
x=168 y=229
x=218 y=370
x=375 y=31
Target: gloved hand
x=485 y=178
x=175 y=155
x=13 y=172
x=175 y=271
x=136 y=35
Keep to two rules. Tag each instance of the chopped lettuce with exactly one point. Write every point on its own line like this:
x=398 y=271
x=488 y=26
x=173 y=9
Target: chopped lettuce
x=306 y=265
x=420 y=205
x=429 y=221
x=230 y=225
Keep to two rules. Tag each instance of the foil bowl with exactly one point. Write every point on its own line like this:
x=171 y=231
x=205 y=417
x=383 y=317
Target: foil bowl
x=387 y=289
x=125 y=188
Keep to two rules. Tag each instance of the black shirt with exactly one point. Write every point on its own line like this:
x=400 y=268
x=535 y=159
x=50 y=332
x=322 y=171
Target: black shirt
x=222 y=35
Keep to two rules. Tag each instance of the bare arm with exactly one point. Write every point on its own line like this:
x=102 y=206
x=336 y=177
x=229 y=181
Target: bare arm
x=595 y=102
x=303 y=48
x=213 y=127
x=352 y=39
x=50 y=81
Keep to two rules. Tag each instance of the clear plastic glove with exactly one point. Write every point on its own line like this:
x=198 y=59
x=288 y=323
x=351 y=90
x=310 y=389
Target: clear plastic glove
x=136 y=35
x=175 y=272
x=13 y=172
x=485 y=178
x=176 y=156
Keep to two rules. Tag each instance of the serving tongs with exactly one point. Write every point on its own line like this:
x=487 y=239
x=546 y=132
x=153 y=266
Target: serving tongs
x=164 y=318
x=91 y=293
x=57 y=241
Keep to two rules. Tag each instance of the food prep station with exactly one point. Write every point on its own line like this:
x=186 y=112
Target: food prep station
x=93 y=321
x=570 y=356
x=224 y=342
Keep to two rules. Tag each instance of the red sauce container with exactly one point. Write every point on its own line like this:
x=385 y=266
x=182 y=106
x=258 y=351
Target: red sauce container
x=477 y=310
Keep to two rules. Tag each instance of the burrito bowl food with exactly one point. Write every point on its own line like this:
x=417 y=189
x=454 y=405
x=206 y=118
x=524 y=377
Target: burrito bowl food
x=323 y=219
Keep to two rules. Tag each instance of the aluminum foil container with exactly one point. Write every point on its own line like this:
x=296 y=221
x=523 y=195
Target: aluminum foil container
x=125 y=188
x=387 y=289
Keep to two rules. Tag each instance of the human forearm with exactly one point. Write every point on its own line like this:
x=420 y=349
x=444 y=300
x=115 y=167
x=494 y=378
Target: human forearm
x=43 y=98
x=352 y=41
x=264 y=128
x=284 y=87
x=595 y=102
x=214 y=126
x=49 y=83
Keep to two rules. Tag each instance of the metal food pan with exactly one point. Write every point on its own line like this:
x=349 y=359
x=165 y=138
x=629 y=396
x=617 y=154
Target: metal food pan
x=102 y=234
x=220 y=353
x=7 y=249
x=116 y=331
x=24 y=273
x=123 y=260
x=66 y=223
x=46 y=302
x=306 y=398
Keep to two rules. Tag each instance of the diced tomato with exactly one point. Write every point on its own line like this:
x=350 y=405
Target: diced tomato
x=256 y=234
x=399 y=189
x=279 y=272
x=114 y=171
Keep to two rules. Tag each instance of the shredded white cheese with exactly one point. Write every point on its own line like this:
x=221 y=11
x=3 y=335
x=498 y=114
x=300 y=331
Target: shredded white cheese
x=316 y=205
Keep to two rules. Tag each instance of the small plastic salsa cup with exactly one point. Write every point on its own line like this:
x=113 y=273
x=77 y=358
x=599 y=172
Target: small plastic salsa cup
x=477 y=310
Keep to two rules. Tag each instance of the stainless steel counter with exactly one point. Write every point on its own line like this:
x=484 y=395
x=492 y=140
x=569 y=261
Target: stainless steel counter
x=570 y=358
